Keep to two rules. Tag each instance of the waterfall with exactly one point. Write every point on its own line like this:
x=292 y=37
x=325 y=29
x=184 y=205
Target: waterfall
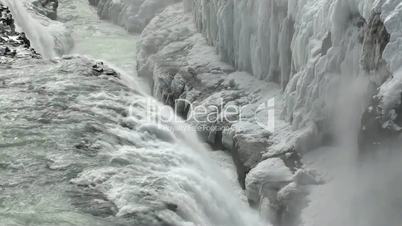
x=41 y=40
x=358 y=191
x=137 y=170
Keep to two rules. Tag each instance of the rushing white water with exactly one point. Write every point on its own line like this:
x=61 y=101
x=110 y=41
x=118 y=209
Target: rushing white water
x=80 y=150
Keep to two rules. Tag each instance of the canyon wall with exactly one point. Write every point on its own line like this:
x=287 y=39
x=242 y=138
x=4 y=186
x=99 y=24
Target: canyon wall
x=310 y=48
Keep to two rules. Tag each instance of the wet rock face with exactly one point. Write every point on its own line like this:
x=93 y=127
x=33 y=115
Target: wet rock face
x=375 y=39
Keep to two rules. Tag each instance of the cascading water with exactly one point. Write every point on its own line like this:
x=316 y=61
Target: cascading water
x=80 y=150
x=340 y=161
x=41 y=40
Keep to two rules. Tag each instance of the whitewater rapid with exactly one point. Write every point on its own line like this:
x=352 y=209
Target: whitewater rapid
x=79 y=149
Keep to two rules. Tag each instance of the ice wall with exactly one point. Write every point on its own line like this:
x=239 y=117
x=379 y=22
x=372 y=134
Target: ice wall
x=309 y=47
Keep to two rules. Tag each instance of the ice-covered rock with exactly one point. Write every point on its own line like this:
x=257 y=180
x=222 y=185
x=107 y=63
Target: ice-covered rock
x=263 y=184
x=270 y=174
x=279 y=192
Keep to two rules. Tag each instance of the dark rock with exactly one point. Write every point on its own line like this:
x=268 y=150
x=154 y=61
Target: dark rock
x=376 y=38
x=171 y=206
x=326 y=44
x=111 y=72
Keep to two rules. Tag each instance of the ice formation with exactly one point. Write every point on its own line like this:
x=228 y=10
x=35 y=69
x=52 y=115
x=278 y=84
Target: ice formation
x=324 y=62
x=305 y=46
